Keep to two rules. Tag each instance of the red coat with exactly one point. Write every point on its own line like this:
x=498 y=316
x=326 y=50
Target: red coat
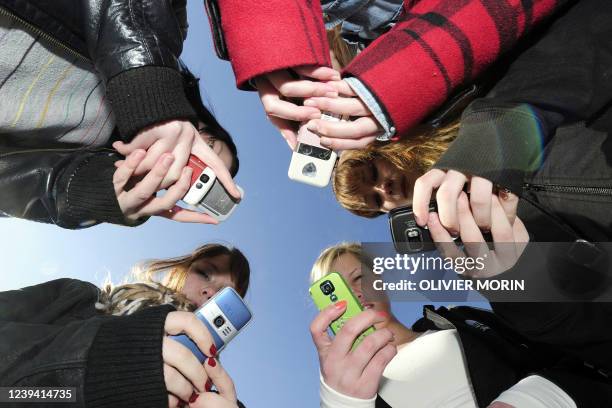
x=436 y=46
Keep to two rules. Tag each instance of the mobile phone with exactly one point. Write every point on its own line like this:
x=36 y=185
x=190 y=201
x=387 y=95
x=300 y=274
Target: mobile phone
x=224 y=315
x=331 y=289
x=407 y=235
x=207 y=194
x=312 y=163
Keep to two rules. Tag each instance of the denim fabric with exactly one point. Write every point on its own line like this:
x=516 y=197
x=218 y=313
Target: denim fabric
x=362 y=20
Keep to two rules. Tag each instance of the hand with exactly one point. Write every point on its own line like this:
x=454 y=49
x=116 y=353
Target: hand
x=140 y=200
x=183 y=373
x=355 y=373
x=449 y=186
x=287 y=115
x=509 y=239
x=175 y=136
x=226 y=397
x=345 y=135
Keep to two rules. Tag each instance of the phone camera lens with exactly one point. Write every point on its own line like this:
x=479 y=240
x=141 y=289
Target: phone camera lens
x=414 y=239
x=333 y=298
x=204 y=178
x=327 y=287
x=219 y=321
x=199 y=185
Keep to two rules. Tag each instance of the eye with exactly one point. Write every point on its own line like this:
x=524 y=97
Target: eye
x=203 y=273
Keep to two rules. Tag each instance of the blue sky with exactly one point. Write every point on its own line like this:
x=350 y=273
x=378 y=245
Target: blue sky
x=281 y=226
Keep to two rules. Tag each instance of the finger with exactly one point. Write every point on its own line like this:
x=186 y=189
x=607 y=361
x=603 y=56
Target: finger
x=119 y=163
x=353 y=328
x=349 y=129
x=346 y=144
x=444 y=242
x=480 y=201
x=220 y=378
x=343 y=88
x=520 y=232
x=183 y=360
x=446 y=197
x=274 y=106
x=123 y=174
x=503 y=236
x=149 y=185
x=471 y=235
x=319 y=73
x=124 y=149
x=180 y=214
x=173 y=401
x=188 y=323
x=320 y=324
x=367 y=349
x=286 y=130
x=154 y=153
x=290 y=87
x=378 y=363
x=176 y=384
x=421 y=196
x=509 y=203
x=181 y=153
x=339 y=106
x=204 y=153
x=168 y=201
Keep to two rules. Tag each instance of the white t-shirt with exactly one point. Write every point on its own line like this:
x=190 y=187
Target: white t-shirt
x=430 y=372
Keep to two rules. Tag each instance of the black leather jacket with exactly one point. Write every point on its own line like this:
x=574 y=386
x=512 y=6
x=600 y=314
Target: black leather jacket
x=51 y=335
x=134 y=47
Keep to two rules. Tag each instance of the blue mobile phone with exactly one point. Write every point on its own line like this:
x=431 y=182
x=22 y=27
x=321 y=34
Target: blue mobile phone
x=224 y=315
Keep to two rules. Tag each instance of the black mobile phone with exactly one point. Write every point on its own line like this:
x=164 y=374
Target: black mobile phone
x=407 y=235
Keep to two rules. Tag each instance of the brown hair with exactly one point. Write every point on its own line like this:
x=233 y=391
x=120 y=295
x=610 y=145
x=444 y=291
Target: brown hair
x=148 y=291
x=415 y=154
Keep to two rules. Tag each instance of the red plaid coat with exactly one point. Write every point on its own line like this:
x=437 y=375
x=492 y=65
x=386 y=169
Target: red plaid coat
x=436 y=46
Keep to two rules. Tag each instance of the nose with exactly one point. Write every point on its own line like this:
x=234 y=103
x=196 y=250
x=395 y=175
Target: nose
x=385 y=187
x=209 y=291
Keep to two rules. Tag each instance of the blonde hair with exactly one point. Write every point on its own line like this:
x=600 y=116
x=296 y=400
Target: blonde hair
x=323 y=264
x=415 y=155
x=131 y=297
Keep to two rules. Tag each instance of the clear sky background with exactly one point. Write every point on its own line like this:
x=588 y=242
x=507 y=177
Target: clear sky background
x=281 y=226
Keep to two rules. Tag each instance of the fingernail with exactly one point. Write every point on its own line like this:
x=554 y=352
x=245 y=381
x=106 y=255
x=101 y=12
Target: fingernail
x=213 y=350
x=212 y=362
x=310 y=102
x=168 y=160
x=139 y=154
x=325 y=141
x=208 y=385
x=193 y=397
x=312 y=126
x=383 y=314
x=340 y=305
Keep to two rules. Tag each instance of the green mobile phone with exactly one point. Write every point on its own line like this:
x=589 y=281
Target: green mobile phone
x=331 y=289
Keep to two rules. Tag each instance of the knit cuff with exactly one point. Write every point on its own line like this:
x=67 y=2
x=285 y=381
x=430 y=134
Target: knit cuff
x=125 y=364
x=142 y=97
x=89 y=197
x=501 y=144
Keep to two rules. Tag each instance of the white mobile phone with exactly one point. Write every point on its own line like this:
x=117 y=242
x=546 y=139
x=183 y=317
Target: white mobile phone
x=207 y=194
x=312 y=163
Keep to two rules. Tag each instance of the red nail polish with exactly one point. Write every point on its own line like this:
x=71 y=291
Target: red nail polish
x=208 y=385
x=383 y=314
x=212 y=362
x=193 y=397
x=213 y=351
x=340 y=304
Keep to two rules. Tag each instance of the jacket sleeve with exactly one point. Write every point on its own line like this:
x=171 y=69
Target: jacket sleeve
x=438 y=46
x=259 y=37
x=135 y=46
x=72 y=188
x=563 y=78
x=111 y=361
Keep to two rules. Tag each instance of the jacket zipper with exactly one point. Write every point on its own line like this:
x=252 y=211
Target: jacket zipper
x=557 y=188
x=46 y=37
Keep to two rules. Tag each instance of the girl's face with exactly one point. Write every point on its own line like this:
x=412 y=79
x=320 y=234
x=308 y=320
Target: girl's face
x=383 y=186
x=349 y=266
x=219 y=147
x=207 y=276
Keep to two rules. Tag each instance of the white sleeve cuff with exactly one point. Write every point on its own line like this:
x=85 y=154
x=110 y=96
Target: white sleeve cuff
x=536 y=392
x=331 y=398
